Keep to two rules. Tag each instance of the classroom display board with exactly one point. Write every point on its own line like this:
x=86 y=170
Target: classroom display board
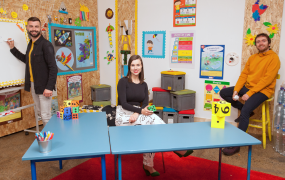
x=12 y=70
x=212 y=61
x=184 y=13
x=181 y=46
x=75 y=48
x=212 y=92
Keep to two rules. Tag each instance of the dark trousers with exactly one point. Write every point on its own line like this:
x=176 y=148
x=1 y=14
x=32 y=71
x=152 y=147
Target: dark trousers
x=253 y=102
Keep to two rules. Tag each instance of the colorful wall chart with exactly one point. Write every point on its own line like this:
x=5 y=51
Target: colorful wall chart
x=212 y=92
x=212 y=61
x=181 y=45
x=75 y=48
x=8 y=103
x=184 y=13
x=74 y=88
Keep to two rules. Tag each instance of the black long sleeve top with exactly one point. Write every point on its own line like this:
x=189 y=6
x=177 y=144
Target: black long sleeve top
x=130 y=94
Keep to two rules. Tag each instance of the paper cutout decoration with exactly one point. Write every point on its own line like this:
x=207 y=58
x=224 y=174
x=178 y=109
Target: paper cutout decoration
x=109 y=29
x=3 y=12
x=25 y=7
x=61 y=20
x=14 y=15
x=62 y=8
x=258 y=10
x=62 y=38
x=250 y=39
x=55 y=18
x=77 y=22
x=22 y=29
x=84 y=13
x=49 y=18
x=271 y=29
x=110 y=56
x=232 y=59
x=63 y=59
x=109 y=13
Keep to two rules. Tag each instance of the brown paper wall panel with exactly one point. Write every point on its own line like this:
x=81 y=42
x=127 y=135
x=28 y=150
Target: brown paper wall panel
x=41 y=9
x=273 y=14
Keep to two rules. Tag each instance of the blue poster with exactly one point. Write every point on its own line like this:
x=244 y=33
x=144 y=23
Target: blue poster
x=153 y=44
x=84 y=48
x=212 y=61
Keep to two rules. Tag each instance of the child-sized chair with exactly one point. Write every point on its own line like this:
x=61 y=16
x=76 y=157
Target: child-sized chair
x=265 y=119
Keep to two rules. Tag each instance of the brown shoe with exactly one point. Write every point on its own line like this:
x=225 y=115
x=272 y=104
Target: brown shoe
x=238 y=119
x=231 y=151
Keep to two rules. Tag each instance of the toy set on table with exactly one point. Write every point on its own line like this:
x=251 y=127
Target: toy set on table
x=69 y=111
x=173 y=102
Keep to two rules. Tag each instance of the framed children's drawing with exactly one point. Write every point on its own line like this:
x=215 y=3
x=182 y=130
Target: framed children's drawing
x=153 y=44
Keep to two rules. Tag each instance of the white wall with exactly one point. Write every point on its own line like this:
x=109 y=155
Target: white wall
x=282 y=59
x=219 y=22
x=107 y=72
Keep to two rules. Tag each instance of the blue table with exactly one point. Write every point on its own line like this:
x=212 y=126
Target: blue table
x=86 y=137
x=175 y=137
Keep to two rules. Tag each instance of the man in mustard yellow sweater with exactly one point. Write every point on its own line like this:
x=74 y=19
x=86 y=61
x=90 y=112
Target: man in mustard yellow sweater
x=255 y=84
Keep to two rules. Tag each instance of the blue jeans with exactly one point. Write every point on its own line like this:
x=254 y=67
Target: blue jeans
x=149 y=51
x=253 y=102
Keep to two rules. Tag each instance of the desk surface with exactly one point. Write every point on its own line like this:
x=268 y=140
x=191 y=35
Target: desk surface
x=173 y=137
x=87 y=136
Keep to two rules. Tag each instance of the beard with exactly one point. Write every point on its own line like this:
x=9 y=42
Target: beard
x=35 y=36
x=263 y=49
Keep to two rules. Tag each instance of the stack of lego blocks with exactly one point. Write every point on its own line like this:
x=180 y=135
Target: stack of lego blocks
x=173 y=102
x=101 y=95
x=220 y=110
x=69 y=110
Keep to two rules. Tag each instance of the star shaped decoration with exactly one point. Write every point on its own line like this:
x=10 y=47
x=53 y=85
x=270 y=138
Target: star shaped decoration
x=69 y=38
x=63 y=32
x=77 y=22
x=55 y=38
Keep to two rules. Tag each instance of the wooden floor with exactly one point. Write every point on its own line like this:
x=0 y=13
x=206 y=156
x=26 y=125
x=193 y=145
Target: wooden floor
x=13 y=147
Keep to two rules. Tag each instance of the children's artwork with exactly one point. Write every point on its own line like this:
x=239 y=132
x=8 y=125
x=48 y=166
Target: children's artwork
x=212 y=92
x=181 y=46
x=232 y=59
x=77 y=22
x=110 y=56
x=84 y=13
x=153 y=44
x=250 y=39
x=184 y=13
x=62 y=8
x=272 y=29
x=25 y=7
x=212 y=61
x=2 y=11
x=64 y=59
x=109 y=30
x=9 y=103
x=74 y=88
x=258 y=10
x=75 y=48
x=54 y=105
x=62 y=37
x=84 y=50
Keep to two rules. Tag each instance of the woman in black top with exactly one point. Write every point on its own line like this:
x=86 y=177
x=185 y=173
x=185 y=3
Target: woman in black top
x=133 y=104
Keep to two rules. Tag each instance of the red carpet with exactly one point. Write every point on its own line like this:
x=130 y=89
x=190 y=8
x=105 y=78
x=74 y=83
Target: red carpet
x=176 y=169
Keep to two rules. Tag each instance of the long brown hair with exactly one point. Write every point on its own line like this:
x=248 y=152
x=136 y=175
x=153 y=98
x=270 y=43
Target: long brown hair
x=129 y=75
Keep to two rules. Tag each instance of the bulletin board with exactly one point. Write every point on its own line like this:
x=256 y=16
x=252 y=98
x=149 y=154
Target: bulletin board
x=13 y=70
x=184 y=13
x=75 y=48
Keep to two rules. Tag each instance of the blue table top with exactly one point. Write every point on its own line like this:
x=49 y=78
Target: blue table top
x=174 y=137
x=87 y=136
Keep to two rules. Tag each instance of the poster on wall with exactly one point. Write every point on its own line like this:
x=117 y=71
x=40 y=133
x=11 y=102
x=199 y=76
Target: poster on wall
x=75 y=48
x=212 y=61
x=9 y=103
x=184 y=13
x=153 y=44
x=181 y=46
x=74 y=88
x=54 y=105
x=212 y=92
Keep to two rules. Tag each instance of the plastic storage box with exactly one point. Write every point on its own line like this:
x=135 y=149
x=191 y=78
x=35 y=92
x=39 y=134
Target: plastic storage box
x=161 y=97
x=159 y=113
x=173 y=80
x=101 y=103
x=170 y=117
x=183 y=100
x=186 y=116
x=101 y=92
